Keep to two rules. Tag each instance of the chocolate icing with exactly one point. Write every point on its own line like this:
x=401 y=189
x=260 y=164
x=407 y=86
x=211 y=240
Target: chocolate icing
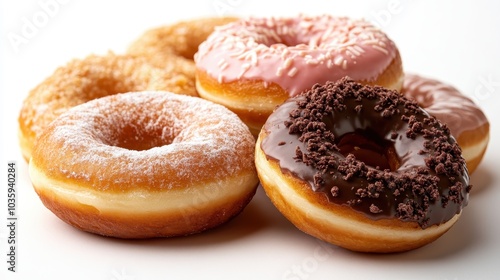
x=371 y=149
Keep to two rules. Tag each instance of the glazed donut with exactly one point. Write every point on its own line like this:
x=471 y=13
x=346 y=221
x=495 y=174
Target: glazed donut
x=178 y=41
x=254 y=64
x=145 y=164
x=466 y=121
x=95 y=76
x=362 y=167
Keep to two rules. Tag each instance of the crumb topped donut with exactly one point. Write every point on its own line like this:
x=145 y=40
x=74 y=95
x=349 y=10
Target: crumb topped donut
x=178 y=41
x=95 y=76
x=362 y=167
x=254 y=64
x=181 y=38
x=466 y=121
x=145 y=164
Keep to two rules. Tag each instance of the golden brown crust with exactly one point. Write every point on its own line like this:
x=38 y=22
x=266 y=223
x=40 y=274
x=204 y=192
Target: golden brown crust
x=178 y=42
x=476 y=141
x=181 y=39
x=340 y=225
x=134 y=226
x=253 y=102
x=475 y=136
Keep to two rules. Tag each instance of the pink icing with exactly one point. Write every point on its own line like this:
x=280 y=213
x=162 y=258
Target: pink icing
x=444 y=102
x=296 y=53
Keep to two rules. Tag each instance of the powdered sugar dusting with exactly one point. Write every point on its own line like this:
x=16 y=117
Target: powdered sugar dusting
x=150 y=139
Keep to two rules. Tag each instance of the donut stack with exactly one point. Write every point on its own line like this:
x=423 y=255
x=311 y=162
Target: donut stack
x=254 y=64
x=121 y=146
x=349 y=148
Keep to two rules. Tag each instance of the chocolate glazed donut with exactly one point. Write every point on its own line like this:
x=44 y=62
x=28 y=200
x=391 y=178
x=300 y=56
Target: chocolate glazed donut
x=370 y=150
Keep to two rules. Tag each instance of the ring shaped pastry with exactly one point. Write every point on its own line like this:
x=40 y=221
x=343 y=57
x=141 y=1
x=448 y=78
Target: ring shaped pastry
x=145 y=164
x=362 y=167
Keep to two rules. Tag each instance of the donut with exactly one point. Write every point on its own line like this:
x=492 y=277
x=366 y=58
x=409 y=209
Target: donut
x=145 y=164
x=464 y=118
x=362 y=167
x=178 y=41
x=81 y=80
x=254 y=64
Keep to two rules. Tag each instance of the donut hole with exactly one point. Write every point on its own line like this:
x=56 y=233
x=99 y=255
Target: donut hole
x=127 y=130
x=285 y=39
x=368 y=147
x=276 y=33
x=134 y=137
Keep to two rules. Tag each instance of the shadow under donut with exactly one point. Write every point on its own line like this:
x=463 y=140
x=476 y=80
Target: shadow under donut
x=256 y=217
x=481 y=180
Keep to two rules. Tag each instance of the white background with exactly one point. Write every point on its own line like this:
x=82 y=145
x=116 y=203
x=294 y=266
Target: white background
x=448 y=40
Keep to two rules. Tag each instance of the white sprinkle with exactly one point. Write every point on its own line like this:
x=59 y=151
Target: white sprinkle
x=306 y=24
x=224 y=66
x=279 y=72
x=237 y=53
x=244 y=69
x=353 y=51
x=270 y=23
x=314 y=42
x=338 y=60
x=311 y=61
x=240 y=45
x=359 y=49
x=285 y=53
x=271 y=33
x=329 y=63
x=344 y=64
x=285 y=30
x=221 y=62
x=288 y=62
x=253 y=57
x=292 y=72
x=370 y=41
x=379 y=48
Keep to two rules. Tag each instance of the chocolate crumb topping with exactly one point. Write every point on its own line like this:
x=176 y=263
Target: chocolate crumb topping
x=372 y=149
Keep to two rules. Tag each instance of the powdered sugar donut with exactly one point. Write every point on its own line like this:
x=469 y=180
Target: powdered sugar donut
x=254 y=64
x=145 y=164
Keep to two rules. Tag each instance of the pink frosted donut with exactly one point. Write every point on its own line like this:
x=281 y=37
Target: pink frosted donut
x=466 y=120
x=254 y=64
x=145 y=164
